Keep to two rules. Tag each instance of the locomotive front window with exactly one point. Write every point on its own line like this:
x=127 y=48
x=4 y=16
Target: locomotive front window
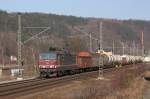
x=47 y=56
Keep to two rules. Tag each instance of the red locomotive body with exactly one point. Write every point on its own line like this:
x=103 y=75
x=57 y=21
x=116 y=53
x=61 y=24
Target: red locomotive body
x=56 y=63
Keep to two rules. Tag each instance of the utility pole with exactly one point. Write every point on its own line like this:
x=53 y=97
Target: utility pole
x=142 y=42
x=34 y=60
x=3 y=58
x=130 y=48
x=113 y=47
x=91 y=42
x=101 y=35
x=100 y=75
x=19 y=43
x=137 y=50
x=123 y=48
x=133 y=47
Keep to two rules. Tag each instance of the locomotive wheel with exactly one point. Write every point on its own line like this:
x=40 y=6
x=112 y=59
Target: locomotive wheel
x=80 y=70
x=47 y=76
x=59 y=73
x=42 y=75
x=71 y=72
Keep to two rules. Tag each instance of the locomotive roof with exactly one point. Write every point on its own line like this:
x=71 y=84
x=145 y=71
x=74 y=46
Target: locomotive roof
x=57 y=52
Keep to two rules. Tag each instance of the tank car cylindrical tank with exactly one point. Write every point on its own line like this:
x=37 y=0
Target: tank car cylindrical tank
x=111 y=59
x=107 y=59
x=117 y=59
x=132 y=59
x=125 y=59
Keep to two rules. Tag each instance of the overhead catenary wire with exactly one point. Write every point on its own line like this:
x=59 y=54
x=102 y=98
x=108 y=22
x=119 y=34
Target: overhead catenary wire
x=19 y=43
x=85 y=33
x=46 y=28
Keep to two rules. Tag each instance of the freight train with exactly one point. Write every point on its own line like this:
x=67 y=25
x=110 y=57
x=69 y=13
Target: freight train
x=59 y=63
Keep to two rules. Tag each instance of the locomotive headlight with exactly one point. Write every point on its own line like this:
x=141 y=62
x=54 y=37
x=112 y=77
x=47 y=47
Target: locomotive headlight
x=51 y=66
x=41 y=66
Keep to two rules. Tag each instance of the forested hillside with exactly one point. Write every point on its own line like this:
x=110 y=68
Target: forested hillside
x=67 y=32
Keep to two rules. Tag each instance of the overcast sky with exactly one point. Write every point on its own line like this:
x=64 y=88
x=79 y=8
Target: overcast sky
x=120 y=9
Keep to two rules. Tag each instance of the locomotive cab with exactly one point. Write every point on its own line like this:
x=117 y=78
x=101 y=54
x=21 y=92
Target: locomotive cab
x=47 y=63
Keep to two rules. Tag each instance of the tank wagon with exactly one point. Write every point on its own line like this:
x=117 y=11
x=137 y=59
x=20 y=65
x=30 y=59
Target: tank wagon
x=60 y=63
x=111 y=60
x=147 y=59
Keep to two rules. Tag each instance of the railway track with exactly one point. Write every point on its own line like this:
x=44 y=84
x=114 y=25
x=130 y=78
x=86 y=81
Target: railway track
x=24 y=86
x=27 y=86
x=17 y=82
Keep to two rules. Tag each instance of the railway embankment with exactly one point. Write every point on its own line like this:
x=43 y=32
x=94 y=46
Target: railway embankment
x=120 y=83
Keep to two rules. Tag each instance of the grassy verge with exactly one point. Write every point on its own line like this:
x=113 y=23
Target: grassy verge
x=128 y=84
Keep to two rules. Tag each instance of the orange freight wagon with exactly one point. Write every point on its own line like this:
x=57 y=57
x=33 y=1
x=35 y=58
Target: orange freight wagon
x=84 y=59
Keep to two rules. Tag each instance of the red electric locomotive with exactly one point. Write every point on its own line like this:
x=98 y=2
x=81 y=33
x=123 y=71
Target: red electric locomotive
x=58 y=63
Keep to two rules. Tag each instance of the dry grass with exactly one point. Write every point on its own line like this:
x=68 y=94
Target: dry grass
x=7 y=78
x=126 y=85
x=29 y=71
x=121 y=84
